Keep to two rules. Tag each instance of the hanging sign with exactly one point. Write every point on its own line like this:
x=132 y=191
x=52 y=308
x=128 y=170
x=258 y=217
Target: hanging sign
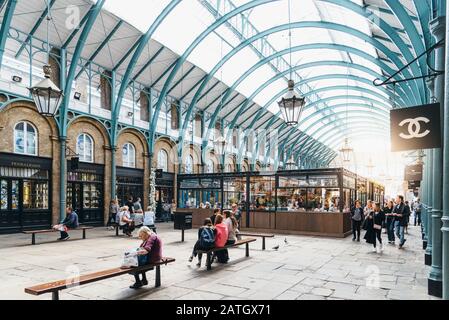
x=413 y=172
x=416 y=128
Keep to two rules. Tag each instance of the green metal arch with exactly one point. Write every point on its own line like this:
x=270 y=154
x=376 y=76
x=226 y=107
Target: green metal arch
x=265 y=33
x=187 y=53
x=132 y=64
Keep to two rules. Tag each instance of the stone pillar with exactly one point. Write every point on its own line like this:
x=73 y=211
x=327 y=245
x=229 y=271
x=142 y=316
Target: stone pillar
x=445 y=218
x=438 y=28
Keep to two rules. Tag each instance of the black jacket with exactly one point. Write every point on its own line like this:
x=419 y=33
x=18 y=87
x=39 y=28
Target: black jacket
x=404 y=211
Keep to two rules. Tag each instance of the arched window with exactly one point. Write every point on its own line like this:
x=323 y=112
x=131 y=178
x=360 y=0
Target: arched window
x=162 y=160
x=210 y=166
x=189 y=165
x=85 y=147
x=25 y=138
x=129 y=155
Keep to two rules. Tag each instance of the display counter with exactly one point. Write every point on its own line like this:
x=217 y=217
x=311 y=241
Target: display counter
x=328 y=224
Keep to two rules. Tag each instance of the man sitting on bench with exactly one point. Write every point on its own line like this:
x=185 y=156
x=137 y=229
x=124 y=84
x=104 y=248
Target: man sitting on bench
x=70 y=222
x=150 y=252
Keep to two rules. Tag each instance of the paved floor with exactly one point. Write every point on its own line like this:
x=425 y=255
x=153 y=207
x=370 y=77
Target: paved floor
x=303 y=268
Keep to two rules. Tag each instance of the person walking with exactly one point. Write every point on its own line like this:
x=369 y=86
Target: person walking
x=407 y=217
x=400 y=214
x=114 y=209
x=388 y=211
x=374 y=227
x=417 y=207
x=356 y=219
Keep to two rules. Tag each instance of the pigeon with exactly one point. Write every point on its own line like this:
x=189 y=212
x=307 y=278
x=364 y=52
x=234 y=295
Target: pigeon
x=285 y=240
x=275 y=248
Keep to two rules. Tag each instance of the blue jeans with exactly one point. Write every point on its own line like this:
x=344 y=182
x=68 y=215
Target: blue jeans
x=399 y=232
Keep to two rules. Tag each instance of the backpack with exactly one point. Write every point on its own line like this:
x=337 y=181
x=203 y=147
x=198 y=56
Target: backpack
x=207 y=238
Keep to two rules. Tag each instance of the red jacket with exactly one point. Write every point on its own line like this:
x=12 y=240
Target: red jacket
x=222 y=235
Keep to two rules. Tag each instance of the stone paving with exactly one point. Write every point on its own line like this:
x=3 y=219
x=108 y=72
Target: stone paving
x=303 y=268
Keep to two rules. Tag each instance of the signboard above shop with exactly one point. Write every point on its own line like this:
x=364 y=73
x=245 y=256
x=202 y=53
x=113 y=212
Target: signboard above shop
x=416 y=128
x=413 y=172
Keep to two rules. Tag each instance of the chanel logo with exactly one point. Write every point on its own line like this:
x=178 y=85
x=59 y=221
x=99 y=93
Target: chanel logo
x=414 y=128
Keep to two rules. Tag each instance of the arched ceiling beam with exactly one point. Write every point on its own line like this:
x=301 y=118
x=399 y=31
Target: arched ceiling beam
x=6 y=24
x=262 y=62
x=387 y=29
x=63 y=110
x=132 y=64
x=186 y=54
x=281 y=28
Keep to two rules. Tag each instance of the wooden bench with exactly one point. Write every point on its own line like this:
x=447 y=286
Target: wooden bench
x=260 y=235
x=34 y=232
x=117 y=228
x=56 y=286
x=238 y=243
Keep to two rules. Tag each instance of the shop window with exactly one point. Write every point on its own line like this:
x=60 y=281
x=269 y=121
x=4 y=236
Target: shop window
x=129 y=155
x=189 y=165
x=85 y=147
x=162 y=160
x=25 y=139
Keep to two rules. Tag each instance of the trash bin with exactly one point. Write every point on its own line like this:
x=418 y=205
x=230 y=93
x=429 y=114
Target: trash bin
x=183 y=221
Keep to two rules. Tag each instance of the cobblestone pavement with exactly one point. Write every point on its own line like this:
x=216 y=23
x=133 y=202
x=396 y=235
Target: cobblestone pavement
x=303 y=268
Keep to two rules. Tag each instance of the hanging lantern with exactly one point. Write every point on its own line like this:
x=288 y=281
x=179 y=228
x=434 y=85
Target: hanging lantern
x=46 y=95
x=220 y=145
x=291 y=105
x=290 y=165
x=346 y=151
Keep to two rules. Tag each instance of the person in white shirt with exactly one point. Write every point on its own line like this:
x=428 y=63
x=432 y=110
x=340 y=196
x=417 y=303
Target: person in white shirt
x=125 y=221
x=148 y=219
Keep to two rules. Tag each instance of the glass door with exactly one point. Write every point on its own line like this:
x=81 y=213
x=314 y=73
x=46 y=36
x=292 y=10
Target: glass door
x=10 y=208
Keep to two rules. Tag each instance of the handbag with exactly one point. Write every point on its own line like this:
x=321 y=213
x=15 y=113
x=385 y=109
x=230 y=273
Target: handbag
x=377 y=226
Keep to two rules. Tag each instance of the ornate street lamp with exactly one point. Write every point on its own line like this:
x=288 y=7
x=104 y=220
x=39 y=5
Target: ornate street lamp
x=291 y=105
x=346 y=151
x=290 y=164
x=46 y=95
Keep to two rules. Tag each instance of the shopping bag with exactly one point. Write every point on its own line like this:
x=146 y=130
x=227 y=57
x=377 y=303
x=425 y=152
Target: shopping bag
x=60 y=227
x=130 y=259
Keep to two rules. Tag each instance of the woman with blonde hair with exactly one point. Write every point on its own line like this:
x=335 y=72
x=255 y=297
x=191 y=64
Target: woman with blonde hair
x=150 y=251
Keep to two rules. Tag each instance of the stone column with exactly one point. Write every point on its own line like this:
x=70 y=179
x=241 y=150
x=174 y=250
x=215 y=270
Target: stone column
x=445 y=218
x=438 y=28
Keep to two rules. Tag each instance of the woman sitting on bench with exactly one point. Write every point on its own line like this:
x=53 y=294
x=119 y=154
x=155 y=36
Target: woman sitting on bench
x=125 y=221
x=206 y=240
x=150 y=252
x=221 y=237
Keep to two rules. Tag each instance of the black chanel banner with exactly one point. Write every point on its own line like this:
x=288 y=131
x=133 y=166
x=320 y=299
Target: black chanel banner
x=416 y=128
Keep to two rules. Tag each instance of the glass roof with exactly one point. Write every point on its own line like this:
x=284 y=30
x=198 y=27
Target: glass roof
x=190 y=18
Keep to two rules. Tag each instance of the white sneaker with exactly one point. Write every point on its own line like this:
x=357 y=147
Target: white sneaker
x=374 y=250
x=381 y=247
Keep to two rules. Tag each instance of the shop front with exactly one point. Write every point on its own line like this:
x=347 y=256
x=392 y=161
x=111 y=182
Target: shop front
x=85 y=194
x=25 y=193
x=165 y=182
x=314 y=202
x=129 y=184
